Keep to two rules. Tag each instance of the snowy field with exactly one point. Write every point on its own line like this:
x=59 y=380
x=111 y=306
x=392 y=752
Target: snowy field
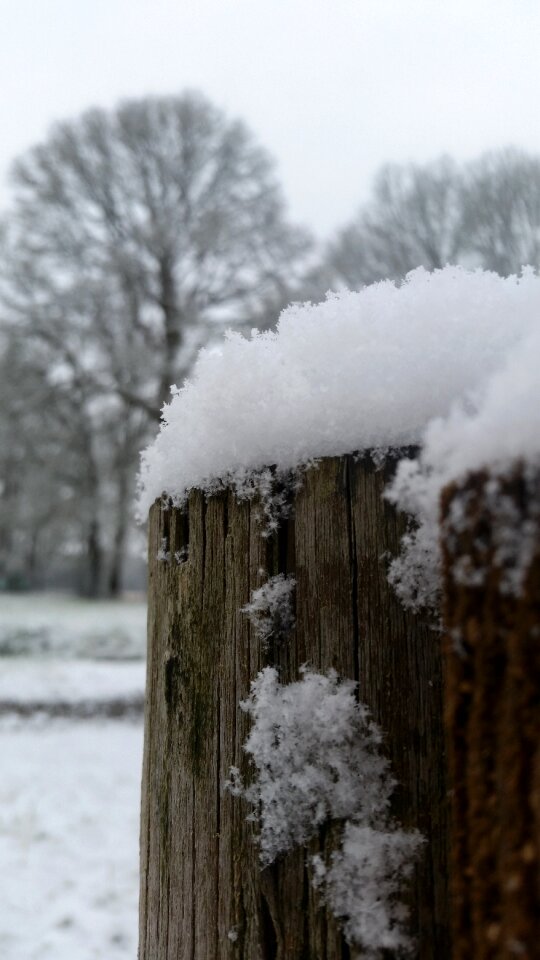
x=45 y=682
x=70 y=786
x=71 y=627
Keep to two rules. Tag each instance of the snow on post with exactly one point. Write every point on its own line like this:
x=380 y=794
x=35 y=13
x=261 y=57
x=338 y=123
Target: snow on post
x=484 y=469
x=347 y=384
x=359 y=371
x=498 y=430
x=475 y=493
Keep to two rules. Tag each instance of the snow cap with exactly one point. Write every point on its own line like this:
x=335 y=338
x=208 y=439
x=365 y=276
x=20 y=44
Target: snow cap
x=357 y=371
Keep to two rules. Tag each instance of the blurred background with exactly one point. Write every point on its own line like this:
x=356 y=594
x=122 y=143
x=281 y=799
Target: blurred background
x=170 y=171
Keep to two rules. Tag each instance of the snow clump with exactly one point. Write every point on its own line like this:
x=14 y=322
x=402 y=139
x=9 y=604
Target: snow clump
x=317 y=758
x=363 y=884
x=270 y=609
x=358 y=371
x=499 y=432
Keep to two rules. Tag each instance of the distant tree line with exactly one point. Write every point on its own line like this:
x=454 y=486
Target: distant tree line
x=485 y=213
x=136 y=236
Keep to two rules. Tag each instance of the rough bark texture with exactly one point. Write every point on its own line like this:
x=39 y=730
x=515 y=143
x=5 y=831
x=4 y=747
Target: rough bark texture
x=493 y=714
x=203 y=894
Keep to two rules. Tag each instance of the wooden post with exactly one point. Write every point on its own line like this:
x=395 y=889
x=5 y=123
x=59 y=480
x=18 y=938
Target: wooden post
x=203 y=894
x=493 y=713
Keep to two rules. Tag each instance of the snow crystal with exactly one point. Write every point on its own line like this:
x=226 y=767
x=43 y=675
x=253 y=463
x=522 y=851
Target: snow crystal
x=270 y=609
x=271 y=486
x=363 y=884
x=317 y=756
x=163 y=555
x=501 y=431
x=358 y=371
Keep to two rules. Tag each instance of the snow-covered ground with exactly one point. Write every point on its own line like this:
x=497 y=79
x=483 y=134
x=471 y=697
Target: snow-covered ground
x=70 y=788
x=69 y=822
x=64 y=625
x=48 y=681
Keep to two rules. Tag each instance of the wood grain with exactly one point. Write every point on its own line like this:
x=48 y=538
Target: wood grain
x=203 y=894
x=492 y=715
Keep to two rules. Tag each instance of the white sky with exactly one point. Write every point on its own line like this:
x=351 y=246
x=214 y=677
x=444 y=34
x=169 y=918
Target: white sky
x=333 y=88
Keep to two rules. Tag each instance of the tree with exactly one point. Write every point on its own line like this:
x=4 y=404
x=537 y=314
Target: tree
x=501 y=210
x=134 y=236
x=486 y=213
x=176 y=206
x=50 y=503
x=413 y=219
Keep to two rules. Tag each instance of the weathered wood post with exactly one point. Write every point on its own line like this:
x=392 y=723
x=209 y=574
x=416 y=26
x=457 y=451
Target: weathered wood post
x=203 y=894
x=492 y=617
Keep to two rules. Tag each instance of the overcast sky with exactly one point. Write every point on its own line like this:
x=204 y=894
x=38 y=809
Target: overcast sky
x=333 y=88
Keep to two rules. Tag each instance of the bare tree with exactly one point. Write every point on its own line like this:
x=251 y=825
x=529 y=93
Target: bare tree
x=134 y=236
x=413 y=219
x=501 y=210
x=173 y=201
x=49 y=494
x=486 y=213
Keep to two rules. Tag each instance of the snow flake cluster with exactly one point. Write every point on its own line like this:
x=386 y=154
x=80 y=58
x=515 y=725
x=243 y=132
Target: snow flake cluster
x=317 y=758
x=270 y=609
x=363 y=884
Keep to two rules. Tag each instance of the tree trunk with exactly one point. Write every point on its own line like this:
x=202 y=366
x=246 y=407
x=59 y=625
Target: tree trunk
x=32 y=557
x=120 y=529
x=93 y=561
x=203 y=894
x=8 y=493
x=173 y=333
x=492 y=713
